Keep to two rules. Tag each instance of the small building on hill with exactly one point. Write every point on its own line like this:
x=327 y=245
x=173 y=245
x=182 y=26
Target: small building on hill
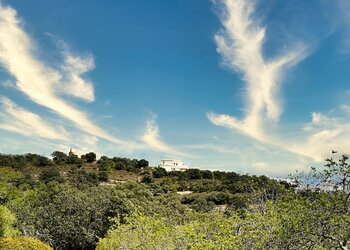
x=71 y=153
x=172 y=165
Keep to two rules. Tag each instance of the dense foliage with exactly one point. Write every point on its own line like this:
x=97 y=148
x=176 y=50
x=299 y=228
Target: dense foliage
x=23 y=243
x=73 y=202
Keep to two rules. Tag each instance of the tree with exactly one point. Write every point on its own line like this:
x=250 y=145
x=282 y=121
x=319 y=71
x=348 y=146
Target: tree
x=66 y=217
x=59 y=157
x=142 y=163
x=159 y=172
x=207 y=174
x=42 y=161
x=193 y=173
x=89 y=157
x=324 y=205
x=73 y=159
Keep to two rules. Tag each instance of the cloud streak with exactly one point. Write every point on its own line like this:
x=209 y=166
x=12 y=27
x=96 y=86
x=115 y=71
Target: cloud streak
x=47 y=86
x=74 y=67
x=19 y=120
x=153 y=140
x=41 y=83
x=240 y=43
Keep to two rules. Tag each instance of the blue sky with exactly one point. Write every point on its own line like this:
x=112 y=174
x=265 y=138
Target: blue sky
x=256 y=87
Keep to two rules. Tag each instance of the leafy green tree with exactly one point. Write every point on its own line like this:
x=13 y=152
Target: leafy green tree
x=142 y=163
x=59 y=157
x=106 y=165
x=207 y=174
x=193 y=173
x=42 y=161
x=89 y=157
x=159 y=172
x=66 y=217
x=31 y=158
x=73 y=159
x=322 y=216
x=13 y=161
x=120 y=165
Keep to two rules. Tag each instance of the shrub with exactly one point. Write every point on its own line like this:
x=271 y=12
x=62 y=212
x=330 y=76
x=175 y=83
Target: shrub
x=103 y=175
x=23 y=243
x=7 y=220
x=51 y=174
x=89 y=157
x=147 y=179
x=159 y=172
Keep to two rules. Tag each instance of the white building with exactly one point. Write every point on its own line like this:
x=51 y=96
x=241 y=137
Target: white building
x=173 y=165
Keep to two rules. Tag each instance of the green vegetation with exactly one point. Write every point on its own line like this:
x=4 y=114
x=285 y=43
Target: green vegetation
x=23 y=243
x=73 y=202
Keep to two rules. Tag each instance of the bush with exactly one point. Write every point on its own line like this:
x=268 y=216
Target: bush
x=81 y=179
x=142 y=163
x=23 y=243
x=51 y=174
x=147 y=179
x=68 y=218
x=103 y=175
x=73 y=159
x=42 y=161
x=159 y=172
x=59 y=157
x=193 y=174
x=89 y=157
x=7 y=221
x=207 y=174
x=13 y=161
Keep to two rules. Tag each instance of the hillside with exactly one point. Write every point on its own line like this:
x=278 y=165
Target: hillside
x=71 y=202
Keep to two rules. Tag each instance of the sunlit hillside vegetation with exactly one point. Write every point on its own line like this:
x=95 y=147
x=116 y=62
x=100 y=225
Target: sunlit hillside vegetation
x=71 y=202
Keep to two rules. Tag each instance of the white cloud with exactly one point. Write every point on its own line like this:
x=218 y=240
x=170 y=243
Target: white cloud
x=19 y=120
x=153 y=140
x=41 y=83
x=261 y=165
x=47 y=86
x=74 y=67
x=255 y=132
x=240 y=43
x=321 y=135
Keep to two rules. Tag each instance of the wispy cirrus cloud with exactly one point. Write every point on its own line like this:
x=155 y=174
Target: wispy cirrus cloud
x=48 y=86
x=43 y=84
x=22 y=121
x=75 y=85
x=240 y=43
x=323 y=133
x=152 y=139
